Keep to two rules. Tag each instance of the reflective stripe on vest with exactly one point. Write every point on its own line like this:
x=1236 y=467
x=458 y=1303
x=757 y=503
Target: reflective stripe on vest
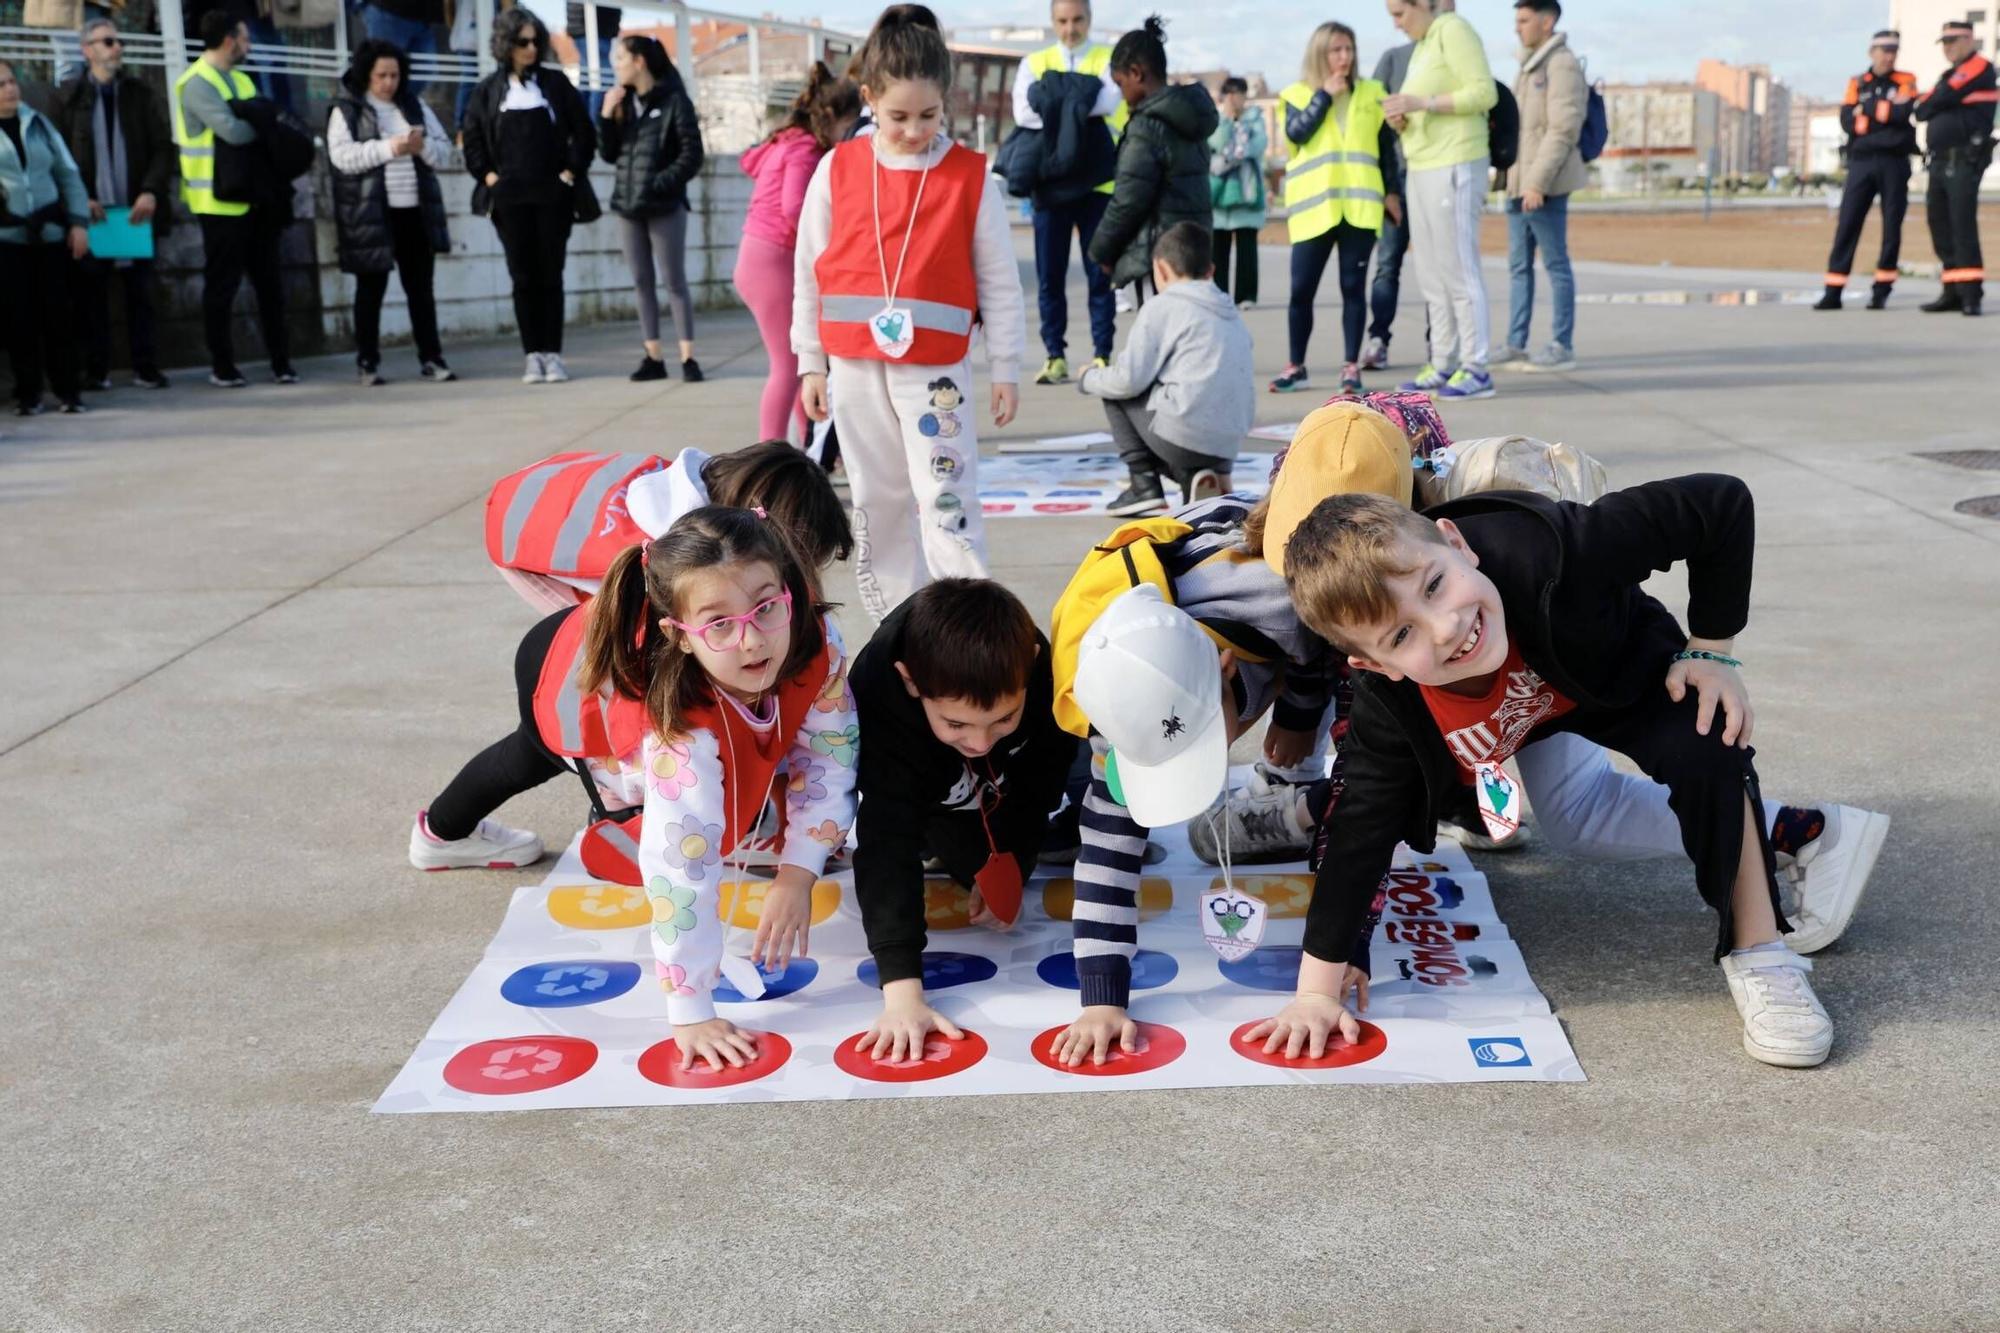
x=927 y=314
x=1335 y=176
x=1094 y=61
x=565 y=515
x=198 y=153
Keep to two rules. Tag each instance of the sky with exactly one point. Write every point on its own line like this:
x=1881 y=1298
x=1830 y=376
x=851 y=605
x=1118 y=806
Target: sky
x=1813 y=45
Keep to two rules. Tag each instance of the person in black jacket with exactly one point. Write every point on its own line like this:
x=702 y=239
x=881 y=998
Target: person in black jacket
x=648 y=130
x=1875 y=117
x=961 y=761
x=1502 y=618
x=1959 y=148
x=528 y=143
x=1162 y=159
x=387 y=148
x=104 y=106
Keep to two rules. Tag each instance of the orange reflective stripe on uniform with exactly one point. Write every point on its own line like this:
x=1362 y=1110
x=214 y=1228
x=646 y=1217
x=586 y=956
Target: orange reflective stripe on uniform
x=1885 y=275
x=1963 y=275
x=1990 y=95
x=1836 y=279
x=1853 y=94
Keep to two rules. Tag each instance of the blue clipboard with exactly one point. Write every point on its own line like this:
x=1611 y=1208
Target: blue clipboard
x=118 y=237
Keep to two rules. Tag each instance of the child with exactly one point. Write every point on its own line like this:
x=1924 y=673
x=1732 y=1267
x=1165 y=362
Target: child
x=553 y=527
x=1180 y=397
x=961 y=761
x=1162 y=158
x=1507 y=617
x=716 y=651
x=904 y=241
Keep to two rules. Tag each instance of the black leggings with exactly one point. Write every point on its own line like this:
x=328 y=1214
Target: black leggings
x=416 y=262
x=517 y=763
x=1309 y=259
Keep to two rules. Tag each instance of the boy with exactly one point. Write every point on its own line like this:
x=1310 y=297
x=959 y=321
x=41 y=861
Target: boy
x=961 y=761
x=1180 y=397
x=1509 y=617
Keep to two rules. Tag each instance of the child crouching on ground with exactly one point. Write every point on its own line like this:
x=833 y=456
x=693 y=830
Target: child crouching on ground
x=1181 y=396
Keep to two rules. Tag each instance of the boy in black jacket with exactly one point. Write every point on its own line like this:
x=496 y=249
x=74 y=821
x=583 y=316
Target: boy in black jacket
x=1502 y=618
x=961 y=762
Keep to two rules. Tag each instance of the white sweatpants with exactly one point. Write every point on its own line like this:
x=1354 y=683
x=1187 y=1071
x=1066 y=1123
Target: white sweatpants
x=1586 y=807
x=909 y=437
x=1444 y=206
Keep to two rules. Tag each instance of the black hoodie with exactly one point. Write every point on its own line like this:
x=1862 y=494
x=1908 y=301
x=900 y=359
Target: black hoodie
x=1162 y=179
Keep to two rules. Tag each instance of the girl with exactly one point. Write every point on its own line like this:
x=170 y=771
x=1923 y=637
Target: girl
x=1341 y=179
x=1162 y=158
x=649 y=131
x=1236 y=187
x=781 y=167
x=903 y=240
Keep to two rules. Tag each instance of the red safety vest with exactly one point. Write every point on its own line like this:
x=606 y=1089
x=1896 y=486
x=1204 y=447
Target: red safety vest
x=940 y=287
x=565 y=516
x=579 y=726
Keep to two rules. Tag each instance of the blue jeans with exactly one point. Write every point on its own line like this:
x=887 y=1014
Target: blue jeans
x=1388 y=288
x=1052 y=232
x=413 y=35
x=1547 y=228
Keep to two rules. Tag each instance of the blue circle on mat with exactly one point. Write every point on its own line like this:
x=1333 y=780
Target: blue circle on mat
x=1010 y=494
x=1274 y=968
x=1149 y=969
x=1054 y=493
x=798 y=975
x=568 y=982
x=940 y=970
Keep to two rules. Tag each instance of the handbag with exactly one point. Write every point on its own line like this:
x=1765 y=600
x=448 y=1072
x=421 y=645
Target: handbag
x=583 y=201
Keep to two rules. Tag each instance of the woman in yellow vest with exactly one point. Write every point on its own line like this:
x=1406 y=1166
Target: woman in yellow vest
x=1340 y=179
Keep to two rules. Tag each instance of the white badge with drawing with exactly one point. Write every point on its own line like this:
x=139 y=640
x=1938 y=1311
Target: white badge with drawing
x=1499 y=800
x=1232 y=922
x=894 y=331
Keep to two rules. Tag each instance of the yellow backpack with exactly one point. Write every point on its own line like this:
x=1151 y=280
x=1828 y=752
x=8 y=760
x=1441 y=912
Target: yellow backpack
x=1121 y=562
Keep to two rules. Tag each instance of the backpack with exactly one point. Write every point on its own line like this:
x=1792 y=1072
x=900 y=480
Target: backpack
x=1522 y=463
x=1503 y=128
x=1127 y=558
x=1596 y=124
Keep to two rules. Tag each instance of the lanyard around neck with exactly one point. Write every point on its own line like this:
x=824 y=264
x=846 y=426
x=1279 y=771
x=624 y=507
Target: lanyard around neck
x=881 y=259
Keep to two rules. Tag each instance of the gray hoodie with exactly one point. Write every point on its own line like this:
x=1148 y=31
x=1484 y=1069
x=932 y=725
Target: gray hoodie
x=1190 y=349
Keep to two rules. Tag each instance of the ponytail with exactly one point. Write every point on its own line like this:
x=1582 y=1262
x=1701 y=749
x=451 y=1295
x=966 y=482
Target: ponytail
x=613 y=654
x=904 y=46
x=825 y=101
x=1144 y=50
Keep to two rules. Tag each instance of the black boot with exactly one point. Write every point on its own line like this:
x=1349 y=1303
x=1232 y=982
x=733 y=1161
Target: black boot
x=1946 y=300
x=1878 y=298
x=1142 y=496
x=1969 y=297
x=1830 y=300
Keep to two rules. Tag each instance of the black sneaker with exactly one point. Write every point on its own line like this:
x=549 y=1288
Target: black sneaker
x=1142 y=497
x=437 y=372
x=33 y=409
x=73 y=407
x=285 y=376
x=148 y=379
x=227 y=379
x=652 y=368
x=691 y=371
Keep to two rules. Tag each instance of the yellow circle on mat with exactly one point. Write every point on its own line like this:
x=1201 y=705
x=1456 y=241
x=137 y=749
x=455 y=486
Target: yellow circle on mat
x=1287 y=896
x=1156 y=896
x=599 y=906
x=742 y=904
x=947 y=906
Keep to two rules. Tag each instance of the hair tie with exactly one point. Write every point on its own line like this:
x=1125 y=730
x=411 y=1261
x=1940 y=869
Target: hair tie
x=645 y=552
x=758 y=510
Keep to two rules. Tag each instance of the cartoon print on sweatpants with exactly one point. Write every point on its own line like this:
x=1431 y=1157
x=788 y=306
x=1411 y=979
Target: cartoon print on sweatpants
x=946 y=464
x=942 y=422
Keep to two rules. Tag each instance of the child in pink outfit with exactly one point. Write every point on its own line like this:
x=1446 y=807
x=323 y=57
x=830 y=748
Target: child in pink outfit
x=781 y=167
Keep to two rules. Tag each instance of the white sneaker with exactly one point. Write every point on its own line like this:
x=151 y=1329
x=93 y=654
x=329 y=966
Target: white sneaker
x=1783 y=1021
x=492 y=846
x=1122 y=301
x=553 y=370
x=534 y=372
x=1475 y=841
x=1258 y=823
x=1514 y=358
x=1830 y=873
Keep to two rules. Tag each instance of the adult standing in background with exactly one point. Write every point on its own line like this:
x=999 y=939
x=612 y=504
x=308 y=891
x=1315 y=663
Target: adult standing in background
x=117 y=132
x=1394 y=244
x=1875 y=121
x=41 y=234
x=528 y=143
x=387 y=148
x=609 y=20
x=1552 y=95
x=1441 y=114
x=411 y=26
x=1959 y=112
x=1073 y=53
x=1236 y=160
x=1340 y=186
x=649 y=131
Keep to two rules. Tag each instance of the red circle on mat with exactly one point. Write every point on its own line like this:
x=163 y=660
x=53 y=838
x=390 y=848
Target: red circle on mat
x=1338 y=1053
x=1158 y=1045
x=508 y=1065
x=661 y=1063
x=996 y=507
x=942 y=1058
x=1056 y=507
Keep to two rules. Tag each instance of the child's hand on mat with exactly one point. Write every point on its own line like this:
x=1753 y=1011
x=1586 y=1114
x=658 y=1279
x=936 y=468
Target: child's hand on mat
x=1093 y=1034
x=1285 y=748
x=785 y=920
x=1006 y=402
x=1715 y=683
x=899 y=1033
x=1303 y=1026
x=718 y=1041
x=812 y=395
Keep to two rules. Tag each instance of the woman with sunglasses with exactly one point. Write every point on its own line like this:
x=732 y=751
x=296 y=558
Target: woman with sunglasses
x=528 y=142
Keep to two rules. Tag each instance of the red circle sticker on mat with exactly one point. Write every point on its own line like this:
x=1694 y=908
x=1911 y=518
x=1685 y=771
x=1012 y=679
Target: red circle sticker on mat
x=1158 y=1045
x=1057 y=507
x=1338 y=1052
x=661 y=1064
x=942 y=1058
x=509 y=1065
x=995 y=507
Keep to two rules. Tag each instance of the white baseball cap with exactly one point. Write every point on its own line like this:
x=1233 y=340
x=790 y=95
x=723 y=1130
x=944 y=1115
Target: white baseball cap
x=1150 y=681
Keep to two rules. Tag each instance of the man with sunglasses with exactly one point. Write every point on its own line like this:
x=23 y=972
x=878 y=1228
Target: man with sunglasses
x=116 y=129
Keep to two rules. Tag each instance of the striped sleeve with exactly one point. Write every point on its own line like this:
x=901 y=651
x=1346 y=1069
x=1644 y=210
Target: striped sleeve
x=1104 y=923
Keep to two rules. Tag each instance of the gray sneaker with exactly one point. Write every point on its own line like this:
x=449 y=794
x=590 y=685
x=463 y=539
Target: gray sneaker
x=1551 y=358
x=1514 y=358
x=1256 y=824
x=1375 y=355
x=553 y=370
x=533 y=371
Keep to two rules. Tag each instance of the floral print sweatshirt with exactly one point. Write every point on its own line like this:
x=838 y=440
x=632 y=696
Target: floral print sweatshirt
x=682 y=856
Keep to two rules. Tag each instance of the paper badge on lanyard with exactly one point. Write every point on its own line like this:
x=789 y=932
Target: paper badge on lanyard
x=1499 y=801
x=1232 y=922
x=894 y=331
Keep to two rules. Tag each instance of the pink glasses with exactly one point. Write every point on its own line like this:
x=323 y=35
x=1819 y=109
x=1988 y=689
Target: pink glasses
x=725 y=632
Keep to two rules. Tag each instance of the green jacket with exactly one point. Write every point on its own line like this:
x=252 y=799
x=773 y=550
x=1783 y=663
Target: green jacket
x=1162 y=179
x=1236 y=166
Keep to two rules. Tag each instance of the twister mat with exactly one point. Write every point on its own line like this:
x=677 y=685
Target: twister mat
x=563 y=1010
x=1062 y=485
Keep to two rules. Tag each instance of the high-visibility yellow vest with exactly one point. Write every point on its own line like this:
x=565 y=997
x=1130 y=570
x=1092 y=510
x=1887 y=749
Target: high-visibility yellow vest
x=198 y=151
x=1335 y=176
x=1094 y=61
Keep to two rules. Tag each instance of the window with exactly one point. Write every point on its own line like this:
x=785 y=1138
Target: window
x=1975 y=17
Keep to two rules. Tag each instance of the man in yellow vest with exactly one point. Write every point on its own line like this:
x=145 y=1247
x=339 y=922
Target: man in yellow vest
x=235 y=237
x=1073 y=53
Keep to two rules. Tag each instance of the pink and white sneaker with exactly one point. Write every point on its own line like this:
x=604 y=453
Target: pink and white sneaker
x=492 y=846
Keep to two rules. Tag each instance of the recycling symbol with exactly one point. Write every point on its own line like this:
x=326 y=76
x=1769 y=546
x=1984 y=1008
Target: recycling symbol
x=596 y=901
x=555 y=987
x=504 y=1069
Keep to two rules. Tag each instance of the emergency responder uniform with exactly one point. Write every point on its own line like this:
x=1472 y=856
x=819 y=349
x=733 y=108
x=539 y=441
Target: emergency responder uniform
x=1875 y=118
x=1958 y=147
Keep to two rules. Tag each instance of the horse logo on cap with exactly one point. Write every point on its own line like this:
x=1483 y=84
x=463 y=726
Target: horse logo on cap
x=1172 y=726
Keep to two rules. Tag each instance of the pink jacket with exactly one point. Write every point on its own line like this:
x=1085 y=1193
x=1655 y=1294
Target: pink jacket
x=782 y=166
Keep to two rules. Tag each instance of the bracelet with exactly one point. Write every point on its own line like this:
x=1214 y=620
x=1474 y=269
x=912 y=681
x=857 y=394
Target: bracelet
x=1703 y=655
